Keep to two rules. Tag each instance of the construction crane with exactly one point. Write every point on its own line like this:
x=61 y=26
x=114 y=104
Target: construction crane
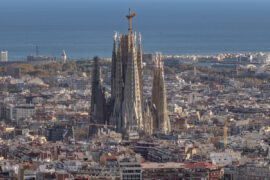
x=129 y=17
x=225 y=134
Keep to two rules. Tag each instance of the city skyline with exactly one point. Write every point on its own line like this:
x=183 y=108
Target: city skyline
x=138 y=114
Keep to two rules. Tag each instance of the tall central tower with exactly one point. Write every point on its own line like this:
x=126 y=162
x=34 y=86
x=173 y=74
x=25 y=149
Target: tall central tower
x=127 y=81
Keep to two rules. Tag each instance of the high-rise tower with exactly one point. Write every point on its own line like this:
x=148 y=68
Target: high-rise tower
x=98 y=100
x=113 y=67
x=159 y=98
x=127 y=81
x=130 y=112
x=117 y=87
x=132 y=109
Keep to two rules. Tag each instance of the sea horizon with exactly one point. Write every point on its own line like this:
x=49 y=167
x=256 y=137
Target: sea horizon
x=86 y=29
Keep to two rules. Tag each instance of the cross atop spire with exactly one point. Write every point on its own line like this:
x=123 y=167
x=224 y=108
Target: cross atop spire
x=129 y=17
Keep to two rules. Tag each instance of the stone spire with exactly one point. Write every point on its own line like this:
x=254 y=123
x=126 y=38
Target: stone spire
x=113 y=67
x=116 y=117
x=98 y=112
x=126 y=81
x=162 y=122
x=140 y=65
x=64 y=57
x=149 y=116
x=132 y=110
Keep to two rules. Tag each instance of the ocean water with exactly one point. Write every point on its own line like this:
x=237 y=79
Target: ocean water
x=84 y=28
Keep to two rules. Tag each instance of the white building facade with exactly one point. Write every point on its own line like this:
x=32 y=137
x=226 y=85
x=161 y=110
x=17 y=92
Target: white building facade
x=3 y=56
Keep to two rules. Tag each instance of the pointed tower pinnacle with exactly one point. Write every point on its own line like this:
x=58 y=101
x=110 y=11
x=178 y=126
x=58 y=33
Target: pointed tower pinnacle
x=159 y=98
x=98 y=100
x=113 y=68
x=64 y=57
x=129 y=17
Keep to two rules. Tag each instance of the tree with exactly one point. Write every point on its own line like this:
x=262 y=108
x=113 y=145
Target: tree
x=53 y=67
x=70 y=67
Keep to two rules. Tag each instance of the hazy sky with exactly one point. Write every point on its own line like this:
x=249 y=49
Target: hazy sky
x=127 y=1
x=85 y=27
x=9 y=4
